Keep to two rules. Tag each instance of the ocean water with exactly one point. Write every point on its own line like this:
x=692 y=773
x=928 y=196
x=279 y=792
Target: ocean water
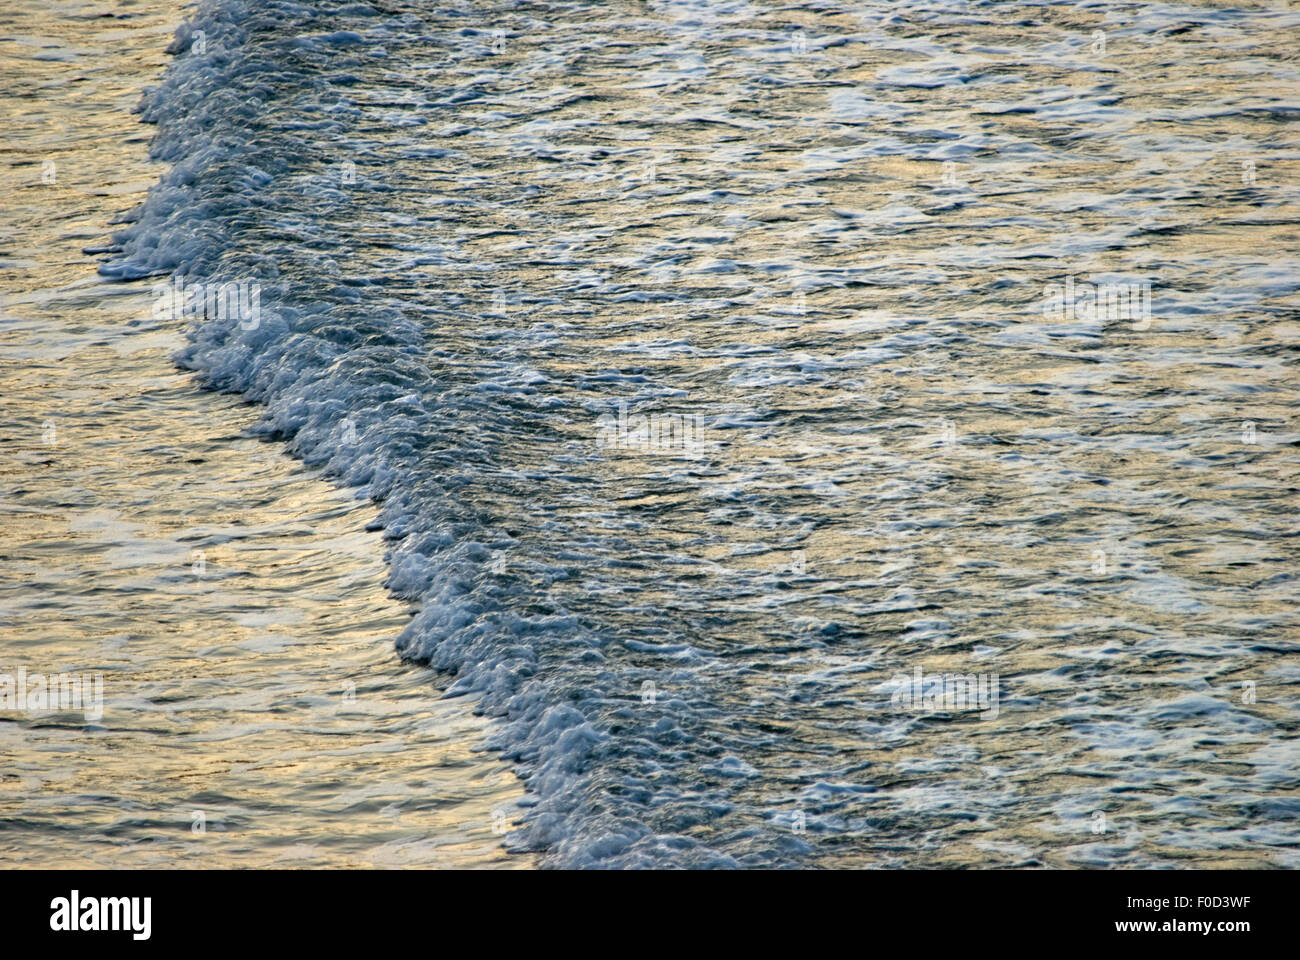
x=252 y=710
x=716 y=368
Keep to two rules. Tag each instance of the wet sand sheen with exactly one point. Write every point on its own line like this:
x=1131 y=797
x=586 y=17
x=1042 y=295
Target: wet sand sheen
x=255 y=713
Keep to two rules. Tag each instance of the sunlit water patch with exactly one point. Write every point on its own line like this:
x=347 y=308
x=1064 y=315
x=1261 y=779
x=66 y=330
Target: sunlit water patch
x=242 y=704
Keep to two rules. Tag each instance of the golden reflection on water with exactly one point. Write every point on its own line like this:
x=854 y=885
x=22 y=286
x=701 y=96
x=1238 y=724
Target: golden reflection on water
x=255 y=713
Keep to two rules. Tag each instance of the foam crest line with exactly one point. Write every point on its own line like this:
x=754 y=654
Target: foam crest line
x=255 y=114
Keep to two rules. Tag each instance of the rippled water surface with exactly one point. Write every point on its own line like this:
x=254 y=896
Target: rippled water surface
x=253 y=713
x=823 y=234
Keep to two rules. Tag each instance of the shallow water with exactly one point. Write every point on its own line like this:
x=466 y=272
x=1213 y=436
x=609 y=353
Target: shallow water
x=254 y=712
x=827 y=233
